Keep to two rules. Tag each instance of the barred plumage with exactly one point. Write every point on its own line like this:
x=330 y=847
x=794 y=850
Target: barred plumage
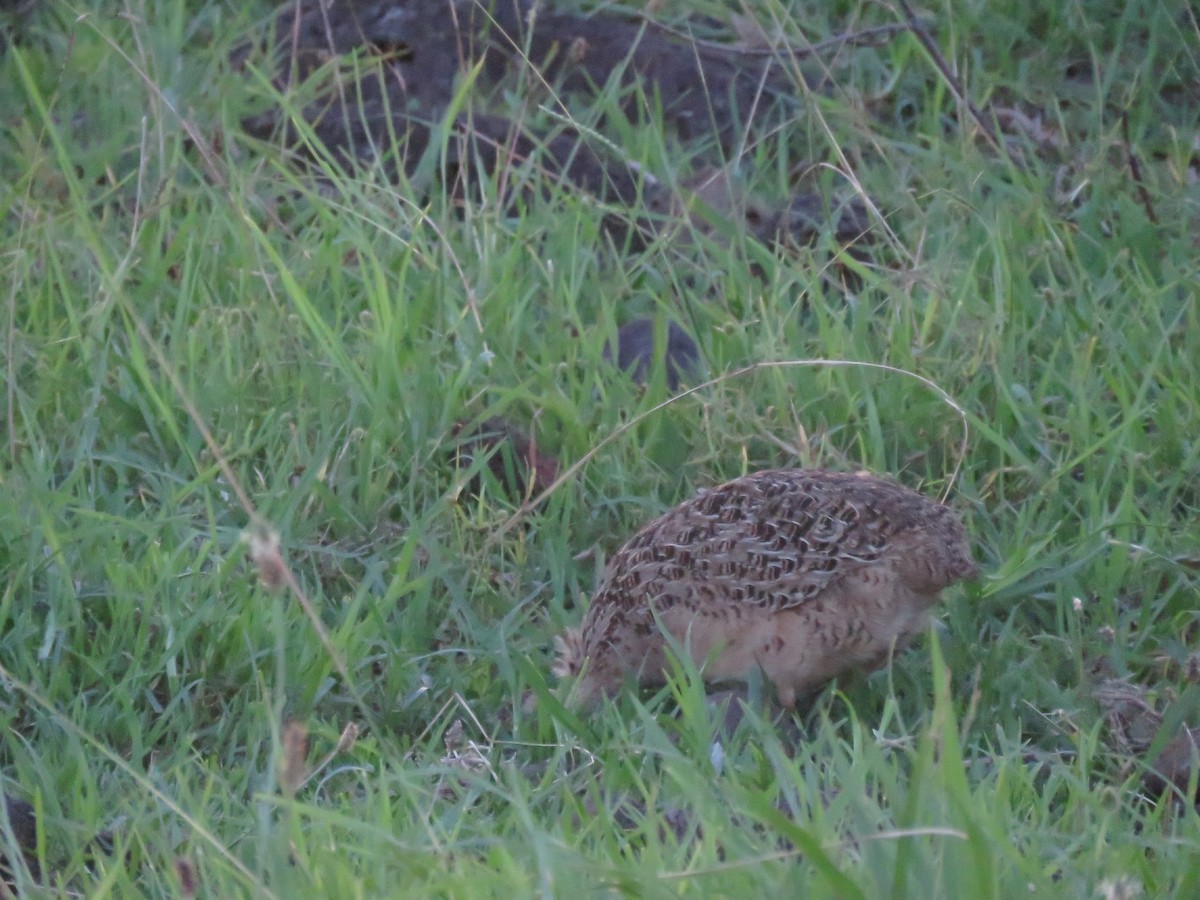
x=802 y=573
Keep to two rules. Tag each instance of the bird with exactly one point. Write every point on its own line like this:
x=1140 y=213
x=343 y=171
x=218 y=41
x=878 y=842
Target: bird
x=801 y=573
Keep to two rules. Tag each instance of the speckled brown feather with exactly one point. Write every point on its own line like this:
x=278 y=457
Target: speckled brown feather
x=802 y=573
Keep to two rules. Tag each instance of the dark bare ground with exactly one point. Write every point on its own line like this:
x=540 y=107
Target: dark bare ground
x=380 y=75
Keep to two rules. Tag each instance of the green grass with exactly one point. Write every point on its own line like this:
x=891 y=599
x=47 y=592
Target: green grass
x=329 y=340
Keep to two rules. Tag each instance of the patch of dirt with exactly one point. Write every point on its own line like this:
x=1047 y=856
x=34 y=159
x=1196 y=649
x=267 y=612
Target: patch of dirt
x=1134 y=726
x=375 y=79
x=425 y=45
x=23 y=821
x=512 y=456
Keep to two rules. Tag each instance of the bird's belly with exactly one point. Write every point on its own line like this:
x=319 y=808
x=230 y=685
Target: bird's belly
x=799 y=648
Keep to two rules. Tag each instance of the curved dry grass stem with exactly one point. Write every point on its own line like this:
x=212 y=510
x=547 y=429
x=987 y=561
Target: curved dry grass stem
x=571 y=470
